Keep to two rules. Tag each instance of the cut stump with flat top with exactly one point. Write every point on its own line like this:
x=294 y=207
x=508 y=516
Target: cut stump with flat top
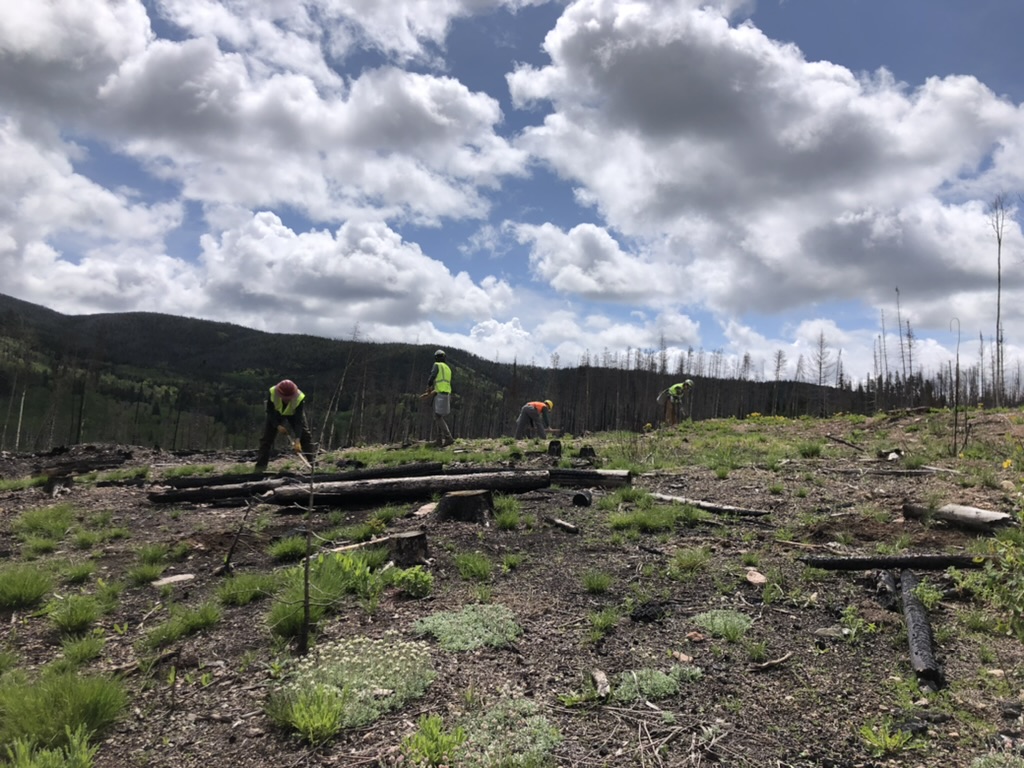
x=408 y=548
x=466 y=506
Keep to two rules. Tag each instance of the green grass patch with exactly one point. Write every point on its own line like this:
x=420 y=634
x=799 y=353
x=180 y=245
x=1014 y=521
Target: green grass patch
x=472 y=627
x=41 y=710
x=246 y=588
x=348 y=684
x=23 y=585
x=473 y=566
x=182 y=623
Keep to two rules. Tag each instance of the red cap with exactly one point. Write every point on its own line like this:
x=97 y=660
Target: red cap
x=286 y=389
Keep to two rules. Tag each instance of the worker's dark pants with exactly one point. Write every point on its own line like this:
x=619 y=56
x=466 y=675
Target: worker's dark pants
x=530 y=417
x=298 y=426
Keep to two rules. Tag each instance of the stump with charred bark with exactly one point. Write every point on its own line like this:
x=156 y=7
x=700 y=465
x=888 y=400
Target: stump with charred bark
x=466 y=506
x=408 y=548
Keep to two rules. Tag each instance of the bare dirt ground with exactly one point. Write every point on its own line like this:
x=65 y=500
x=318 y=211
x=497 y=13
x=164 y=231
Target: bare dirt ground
x=808 y=710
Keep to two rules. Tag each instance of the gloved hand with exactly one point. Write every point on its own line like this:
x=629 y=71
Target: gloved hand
x=282 y=429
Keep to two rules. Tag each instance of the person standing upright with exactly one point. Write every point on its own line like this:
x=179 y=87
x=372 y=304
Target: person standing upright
x=440 y=386
x=284 y=415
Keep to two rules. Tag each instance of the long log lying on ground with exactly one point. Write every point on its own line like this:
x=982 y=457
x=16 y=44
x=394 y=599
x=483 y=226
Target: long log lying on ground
x=591 y=478
x=917 y=562
x=402 y=470
x=919 y=632
x=567 y=478
x=707 y=506
x=961 y=516
x=219 y=492
x=398 y=489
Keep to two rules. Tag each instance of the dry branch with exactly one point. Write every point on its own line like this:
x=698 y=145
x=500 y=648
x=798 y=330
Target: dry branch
x=707 y=506
x=558 y=523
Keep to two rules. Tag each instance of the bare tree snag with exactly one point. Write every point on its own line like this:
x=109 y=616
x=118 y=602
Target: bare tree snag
x=707 y=506
x=412 y=487
x=919 y=633
x=408 y=548
x=591 y=478
x=971 y=518
x=558 y=523
x=917 y=562
x=466 y=506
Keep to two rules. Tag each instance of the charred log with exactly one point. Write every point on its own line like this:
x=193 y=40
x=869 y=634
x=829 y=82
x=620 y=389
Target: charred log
x=917 y=562
x=919 y=633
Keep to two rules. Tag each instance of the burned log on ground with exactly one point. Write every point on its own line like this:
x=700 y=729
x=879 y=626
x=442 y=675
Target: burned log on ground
x=962 y=516
x=410 y=488
x=466 y=506
x=707 y=506
x=78 y=464
x=917 y=562
x=219 y=492
x=919 y=633
x=591 y=478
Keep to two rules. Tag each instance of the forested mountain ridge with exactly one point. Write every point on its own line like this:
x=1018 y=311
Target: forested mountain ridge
x=182 y=383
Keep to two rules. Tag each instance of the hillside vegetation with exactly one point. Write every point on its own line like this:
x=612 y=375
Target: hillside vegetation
x=147 y=379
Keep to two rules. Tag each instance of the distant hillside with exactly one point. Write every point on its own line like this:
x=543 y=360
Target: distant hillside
x=181 y=383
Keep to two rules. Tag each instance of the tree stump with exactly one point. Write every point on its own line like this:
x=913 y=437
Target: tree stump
x=555 y=448
x=408 y=548
x=466 y=506
x=582 y=498
x=588 y=452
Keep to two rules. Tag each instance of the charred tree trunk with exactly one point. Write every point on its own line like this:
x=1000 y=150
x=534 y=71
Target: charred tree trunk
x=917 y=562
x=919 y=633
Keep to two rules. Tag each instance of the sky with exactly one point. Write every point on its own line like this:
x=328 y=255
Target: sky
x=531 y=181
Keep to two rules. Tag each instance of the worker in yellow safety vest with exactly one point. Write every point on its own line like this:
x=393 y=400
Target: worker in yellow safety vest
x=285 y=416
x=439 y=385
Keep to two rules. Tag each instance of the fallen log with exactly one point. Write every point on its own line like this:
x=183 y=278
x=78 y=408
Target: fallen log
x=919 y=633
x=961 y=516
x=917 y=562
x=218 y=493
x=410 y=487
x=591 y=478
x=707 y=506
